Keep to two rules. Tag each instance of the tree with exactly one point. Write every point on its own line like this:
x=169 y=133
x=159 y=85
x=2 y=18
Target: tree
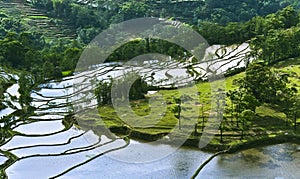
x=296 y=111
x=138 y=89
x=288 y=16
x=220 y=102
x=61 y=8
x=103 y=92
x=177 y=111
x=71 y=56
x=292 y=109
x=86 y=34
x=48 y=69
x=241 y=99
x=134 y=9
x=13 y=52
x=246 y=116
x=263 y=83
x=26 y=83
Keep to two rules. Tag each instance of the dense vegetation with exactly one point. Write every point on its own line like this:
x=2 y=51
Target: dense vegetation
x=101 y=13
x=36 y=52
x=257 y=27
x=91 y=17
x=270 y=88
x=138 y=89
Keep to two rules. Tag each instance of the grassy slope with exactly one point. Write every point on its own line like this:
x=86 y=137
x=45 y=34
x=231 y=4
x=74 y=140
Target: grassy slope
x=268 y=123
x=38 y=20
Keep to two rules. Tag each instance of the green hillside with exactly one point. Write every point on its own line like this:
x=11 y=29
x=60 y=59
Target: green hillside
x=38 y=20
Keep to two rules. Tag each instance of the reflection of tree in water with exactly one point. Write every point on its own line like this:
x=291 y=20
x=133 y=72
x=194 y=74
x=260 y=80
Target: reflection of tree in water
x=270 y=165
x=283 y=153
x=183 y=162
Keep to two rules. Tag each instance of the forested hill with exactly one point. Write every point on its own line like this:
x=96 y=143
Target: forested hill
x=32 y=40
x=219 y=11
x=91 y=16
x=83 y=19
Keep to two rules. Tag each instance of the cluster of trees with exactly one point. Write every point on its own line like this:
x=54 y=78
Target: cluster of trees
x=261 y=85
x=277 y=45
x=143 y=46
x=27 y=83
x=216 y=11
x=24 y=49
x=223 y=12
x=137 y=90
x=257 y=27
x=29 y=51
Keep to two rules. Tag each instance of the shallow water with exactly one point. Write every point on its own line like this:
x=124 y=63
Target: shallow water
x=276 y=161
x=180 y=164
x=2 y=159
x=46 y=147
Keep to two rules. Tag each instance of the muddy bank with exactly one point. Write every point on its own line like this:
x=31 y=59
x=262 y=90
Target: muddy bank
x=193 y=141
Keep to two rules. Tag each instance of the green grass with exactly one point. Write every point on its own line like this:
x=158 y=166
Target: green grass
x=38 y=17
x=67 y=73
x=146 y=119
x=291 y=67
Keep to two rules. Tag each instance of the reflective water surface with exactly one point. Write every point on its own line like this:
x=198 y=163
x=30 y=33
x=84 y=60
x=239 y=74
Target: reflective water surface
x=47 y=148
x=276 y=161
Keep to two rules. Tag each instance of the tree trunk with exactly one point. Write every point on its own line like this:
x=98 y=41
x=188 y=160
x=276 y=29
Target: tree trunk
x=243 y=125
x=295 y=122
x=221 y=135
x=232 y=109
x=202 y=118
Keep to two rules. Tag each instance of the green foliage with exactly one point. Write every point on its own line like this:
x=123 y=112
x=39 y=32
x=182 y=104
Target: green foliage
x=246 y=116
x=138 y=47
x=9 y=23
x=258 y=28
x=100 y=14
x=243 y=100
x=177 y=108
x=61 y=8
x=13 y=52
x=262 y=85
x=277 y=44
x=29 y=50
x=134 y=9
x=137 y=90
x=237 y=11
x=103 y=92
x=266 y=85
x=70 y=58
x=26 y=83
